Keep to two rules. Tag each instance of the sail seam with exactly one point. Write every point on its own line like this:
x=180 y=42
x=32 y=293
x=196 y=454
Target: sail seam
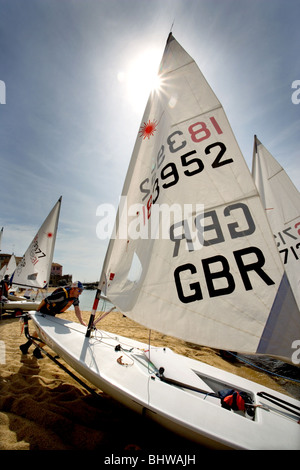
x=178 y=68
x=197 y=115
x=218 y=321
x=224 y=202
x=275 y=174
x=292 y=220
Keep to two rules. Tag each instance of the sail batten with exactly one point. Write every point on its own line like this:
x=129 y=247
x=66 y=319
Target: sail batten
x=196 y=116
x=214 y=278
x=178 y=68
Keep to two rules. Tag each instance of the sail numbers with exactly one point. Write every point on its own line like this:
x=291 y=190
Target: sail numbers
x=190 y=292
x=36 y=253
x=188 y=164
x=284 y=238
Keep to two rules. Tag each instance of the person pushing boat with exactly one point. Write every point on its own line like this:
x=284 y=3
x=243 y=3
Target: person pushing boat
x=58 y=302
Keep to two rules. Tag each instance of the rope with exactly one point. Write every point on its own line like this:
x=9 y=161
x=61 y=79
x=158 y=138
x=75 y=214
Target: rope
x=104 y=315
x=261 y=368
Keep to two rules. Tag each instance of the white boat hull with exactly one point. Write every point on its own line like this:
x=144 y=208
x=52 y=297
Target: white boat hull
x=16 y=297
x=20 y=305
x=130 y=377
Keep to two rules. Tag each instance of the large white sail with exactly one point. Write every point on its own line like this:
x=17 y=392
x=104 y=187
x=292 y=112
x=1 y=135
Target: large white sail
x=35 y=267
x=281 y=201
x=209 y=273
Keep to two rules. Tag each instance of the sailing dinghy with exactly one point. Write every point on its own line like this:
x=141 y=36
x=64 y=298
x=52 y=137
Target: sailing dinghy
x=206 y=270
x=281 y=200
x=33 y=271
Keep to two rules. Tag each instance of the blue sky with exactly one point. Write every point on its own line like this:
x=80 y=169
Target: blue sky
x=71 y=118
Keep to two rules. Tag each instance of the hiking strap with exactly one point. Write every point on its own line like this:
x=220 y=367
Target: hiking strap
x=280 y=402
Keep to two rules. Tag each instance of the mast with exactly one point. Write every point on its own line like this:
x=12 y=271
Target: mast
x=93 y=313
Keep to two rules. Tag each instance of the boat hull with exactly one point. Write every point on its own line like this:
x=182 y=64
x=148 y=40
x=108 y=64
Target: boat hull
x=127 y=370
x=20 y=305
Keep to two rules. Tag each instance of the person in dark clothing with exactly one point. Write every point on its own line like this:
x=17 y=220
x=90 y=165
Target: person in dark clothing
x=4 y=287
x=57 y=302
x=61 y=299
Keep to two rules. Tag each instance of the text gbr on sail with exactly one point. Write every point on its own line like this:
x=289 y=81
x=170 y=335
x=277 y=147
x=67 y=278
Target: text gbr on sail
x=217 y=268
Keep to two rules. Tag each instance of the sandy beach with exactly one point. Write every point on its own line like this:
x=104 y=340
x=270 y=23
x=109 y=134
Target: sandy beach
x=43 y=408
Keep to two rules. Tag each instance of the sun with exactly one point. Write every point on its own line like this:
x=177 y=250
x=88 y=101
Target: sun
x=141 y=77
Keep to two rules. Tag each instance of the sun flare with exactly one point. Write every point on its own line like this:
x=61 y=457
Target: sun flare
x=141 y=77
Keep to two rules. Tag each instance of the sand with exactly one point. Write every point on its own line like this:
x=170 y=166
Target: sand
x=43 y=408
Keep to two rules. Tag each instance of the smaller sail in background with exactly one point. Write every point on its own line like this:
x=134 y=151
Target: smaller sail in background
x=1 y=233
x=2 y=271
x=11 y=266
x=35 y=267
x=281 y=200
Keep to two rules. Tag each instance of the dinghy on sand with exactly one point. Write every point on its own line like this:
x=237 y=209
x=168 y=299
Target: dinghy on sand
x=214 y=277
x=33 y=271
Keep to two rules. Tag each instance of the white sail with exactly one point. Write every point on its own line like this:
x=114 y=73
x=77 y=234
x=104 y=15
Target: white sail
x=210 y=274
x=11 y=266
x=281 y=201
x=1 y=233
x=2 y=272
x=35 y=267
